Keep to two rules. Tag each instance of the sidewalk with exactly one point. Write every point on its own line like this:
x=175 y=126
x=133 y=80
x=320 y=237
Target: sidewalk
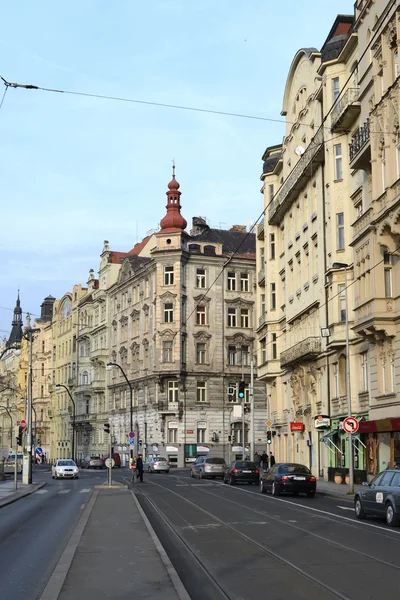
x=330 y=488
x=114 y=553
x=8 y=494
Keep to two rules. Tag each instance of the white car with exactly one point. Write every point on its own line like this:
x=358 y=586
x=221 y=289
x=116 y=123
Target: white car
x=64 y=468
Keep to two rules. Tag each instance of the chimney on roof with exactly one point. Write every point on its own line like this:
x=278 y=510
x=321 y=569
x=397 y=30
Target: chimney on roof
x=238 y=228
x=199 y=225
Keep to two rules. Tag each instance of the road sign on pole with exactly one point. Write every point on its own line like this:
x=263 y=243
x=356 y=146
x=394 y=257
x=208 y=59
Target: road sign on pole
x=39 y=451
x=23 y=424
x=269 y=423
x=132 y=441
x=351 y=425
x=131 y=434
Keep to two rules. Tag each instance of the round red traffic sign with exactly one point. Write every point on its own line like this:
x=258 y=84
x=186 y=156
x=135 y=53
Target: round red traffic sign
x=350 y=425
x=131 y=434
x=22 y=424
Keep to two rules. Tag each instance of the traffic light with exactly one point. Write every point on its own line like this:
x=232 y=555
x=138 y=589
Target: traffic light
x=269 y=437
x=19 y=436
x=106 y=427
x=229 y=438
x=242 y=387
x=247 y=409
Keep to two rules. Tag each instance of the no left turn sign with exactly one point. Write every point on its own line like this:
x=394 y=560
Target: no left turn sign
x=350 y=425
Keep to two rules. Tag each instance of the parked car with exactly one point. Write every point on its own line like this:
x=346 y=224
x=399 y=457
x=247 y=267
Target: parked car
x=242 y=471
x=92 y=462
x=9 y=465
x=288 y=477
x=116 y=458
x=380 y=498
x=64 y=468
x=156 y=464
x=208 y=466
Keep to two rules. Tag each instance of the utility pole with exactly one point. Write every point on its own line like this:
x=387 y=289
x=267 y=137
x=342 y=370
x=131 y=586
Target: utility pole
x=252 y=436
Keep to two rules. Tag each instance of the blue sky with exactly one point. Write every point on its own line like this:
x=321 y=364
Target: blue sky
x=76 y=171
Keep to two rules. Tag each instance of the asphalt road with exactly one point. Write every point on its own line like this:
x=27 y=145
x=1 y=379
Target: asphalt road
x=235 y=543
x=35 y=529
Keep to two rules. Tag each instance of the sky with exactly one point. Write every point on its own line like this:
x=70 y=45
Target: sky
x=76 y=171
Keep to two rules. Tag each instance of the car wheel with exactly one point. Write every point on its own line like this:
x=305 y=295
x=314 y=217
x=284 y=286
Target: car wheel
x=391 y=518
x=274 y=489
x=77 y=477
x=311 y=494
x=231 y=480
x=263 y=489
x=358 y=509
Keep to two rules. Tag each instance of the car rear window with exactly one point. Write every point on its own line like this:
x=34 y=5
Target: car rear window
x=215 y=461
x=294 y=468
x=160 y=459
x=242 y=464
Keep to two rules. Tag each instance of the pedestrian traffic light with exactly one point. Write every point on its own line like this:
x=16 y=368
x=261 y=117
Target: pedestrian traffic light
x=107 y=427
x=19 y=436
x=247 y=409
x=242 y=387
x=269 y=437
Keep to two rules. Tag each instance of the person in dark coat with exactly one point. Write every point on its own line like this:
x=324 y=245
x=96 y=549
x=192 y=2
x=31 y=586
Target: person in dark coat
x=271 y=460
x=264 y=461
x=139 y=467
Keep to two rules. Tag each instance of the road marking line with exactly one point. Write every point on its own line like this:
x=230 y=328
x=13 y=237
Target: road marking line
x=83 y=506
x=346 y=508
x=64 y=492
x=41 y=492
x=84 y=490
x=182 y=485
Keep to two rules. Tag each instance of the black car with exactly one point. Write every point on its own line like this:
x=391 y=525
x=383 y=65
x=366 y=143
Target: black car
x=242 y=471
x=380 y=498
x=288 y=477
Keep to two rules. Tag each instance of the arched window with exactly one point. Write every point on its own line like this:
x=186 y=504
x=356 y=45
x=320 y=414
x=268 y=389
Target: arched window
x=85 y=378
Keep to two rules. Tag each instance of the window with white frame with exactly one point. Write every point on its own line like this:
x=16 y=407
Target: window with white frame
x=201 y=353
x=244 y=317
x=245 y=355
x=200 y=278
x=232 y=355
x=273 y=296
x=336 y=382
x=168 y=275
x=337 y=148
x=340 y=231
x=167 y=356
x=263 y=348
x=392 y=373
x=173 y=391
x=85 y=378
x=173 y=432
x=168 y=312
x=272 y=246
x=262 y=304
x=201 y=315
x=364 y=371
x=231 y=281
x=274 y=346
x=342 y=302
x=388 y=265
x=335 y=89
x=201 y=434
x=201 y=391
x=244 y=282
x=396 y=68
x=383 y=168
x=232 y=318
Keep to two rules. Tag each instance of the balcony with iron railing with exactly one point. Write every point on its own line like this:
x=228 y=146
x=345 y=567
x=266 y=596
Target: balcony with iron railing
x=360 y=148
x=306 y=349
x=297 y=179
x=346 y=110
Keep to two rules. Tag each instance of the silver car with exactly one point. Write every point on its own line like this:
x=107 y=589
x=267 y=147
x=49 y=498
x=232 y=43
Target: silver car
x=156 y=464
x=208 y=466
x=64 y=468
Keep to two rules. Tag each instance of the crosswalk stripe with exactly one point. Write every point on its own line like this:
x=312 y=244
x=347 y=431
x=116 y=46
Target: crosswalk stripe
x=41 y=492
x=64 y=492
x=84 y=490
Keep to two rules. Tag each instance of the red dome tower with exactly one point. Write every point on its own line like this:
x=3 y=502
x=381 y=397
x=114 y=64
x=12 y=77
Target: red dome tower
x=173 y=222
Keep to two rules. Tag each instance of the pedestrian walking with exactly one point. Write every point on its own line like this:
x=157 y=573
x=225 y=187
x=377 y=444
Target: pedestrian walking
x=264 y=461
x=132 y=466
x=139 y=467
x=271 y=460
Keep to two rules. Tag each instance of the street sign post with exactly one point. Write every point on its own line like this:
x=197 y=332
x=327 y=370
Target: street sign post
x=132 y=441
x=269 y=423
x=110 y=463
x=351 y=425
x=131 y=434
x=39 y=451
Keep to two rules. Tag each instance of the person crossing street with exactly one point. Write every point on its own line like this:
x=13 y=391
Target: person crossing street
x=139 y=467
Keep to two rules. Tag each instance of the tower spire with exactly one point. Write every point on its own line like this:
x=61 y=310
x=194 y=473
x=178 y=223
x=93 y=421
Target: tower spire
x=173 y=220
x=16 y=325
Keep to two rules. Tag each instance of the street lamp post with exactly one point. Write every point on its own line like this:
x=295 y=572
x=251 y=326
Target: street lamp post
x=58 y=387
x=348 y=387
x=109 y=366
